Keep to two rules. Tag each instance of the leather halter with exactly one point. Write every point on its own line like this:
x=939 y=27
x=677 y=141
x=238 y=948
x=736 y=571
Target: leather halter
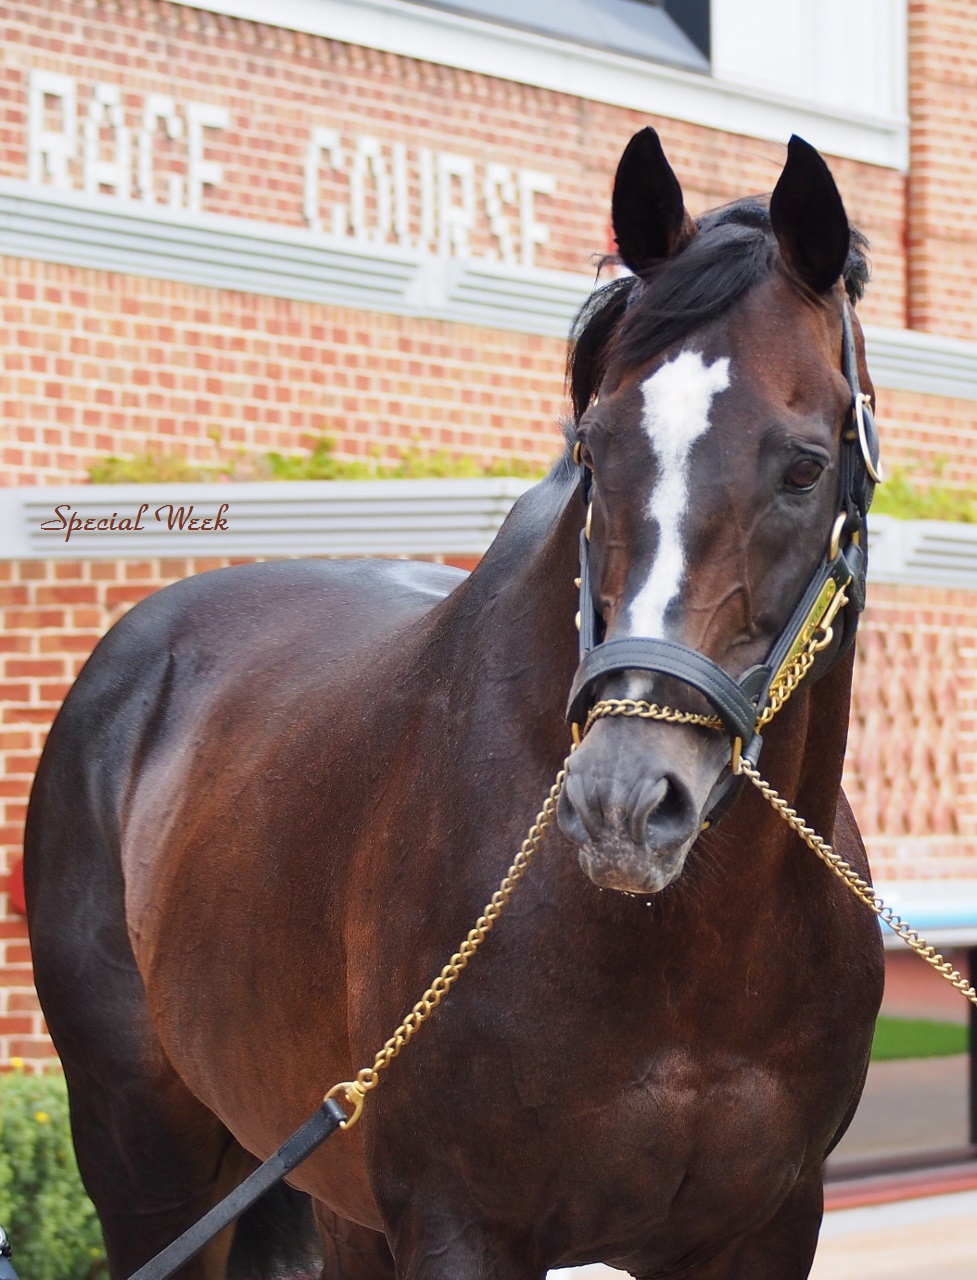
x=840 y=576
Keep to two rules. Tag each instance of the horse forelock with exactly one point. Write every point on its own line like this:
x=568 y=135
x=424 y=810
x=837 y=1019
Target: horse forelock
x=633 y=319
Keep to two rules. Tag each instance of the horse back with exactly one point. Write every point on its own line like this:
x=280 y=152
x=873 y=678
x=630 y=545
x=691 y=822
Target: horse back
x=241 y=644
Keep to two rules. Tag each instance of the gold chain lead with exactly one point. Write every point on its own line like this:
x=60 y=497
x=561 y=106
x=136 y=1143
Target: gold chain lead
x=355 y=1091
x=859 y=887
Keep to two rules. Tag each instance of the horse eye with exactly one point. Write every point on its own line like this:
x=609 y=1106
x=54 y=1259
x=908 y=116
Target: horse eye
x=582 y=454
x=804 y=474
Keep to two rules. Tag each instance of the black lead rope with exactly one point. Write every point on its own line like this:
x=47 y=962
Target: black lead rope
x=322 y=1125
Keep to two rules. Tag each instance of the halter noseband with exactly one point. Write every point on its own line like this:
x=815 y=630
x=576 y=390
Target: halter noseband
x=835 y=594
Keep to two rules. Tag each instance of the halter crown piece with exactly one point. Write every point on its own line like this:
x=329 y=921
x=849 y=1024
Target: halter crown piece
x=828 y=609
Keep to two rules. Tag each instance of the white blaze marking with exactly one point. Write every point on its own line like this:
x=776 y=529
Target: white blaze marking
x=677 y=397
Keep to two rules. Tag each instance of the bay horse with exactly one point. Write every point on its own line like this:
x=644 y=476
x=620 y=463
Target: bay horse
x=278 y=796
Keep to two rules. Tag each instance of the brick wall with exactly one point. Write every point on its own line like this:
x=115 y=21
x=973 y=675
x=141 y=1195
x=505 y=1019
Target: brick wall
x=97 y=362
x=931 y=436
x=911 y=766
x=941 y=231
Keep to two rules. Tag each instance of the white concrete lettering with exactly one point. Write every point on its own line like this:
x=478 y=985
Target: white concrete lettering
x=201 y=172
x=322 y=142
x=105 y=109
x=50 y=150
x=532 y=184
x=158 y=108
x=500 y=190
x=456 y=218
x=433 y=202
x=368 y=162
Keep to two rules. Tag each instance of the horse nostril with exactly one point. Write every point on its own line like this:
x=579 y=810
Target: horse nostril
x=651 y=794
x=576 y=817
x=664 y=815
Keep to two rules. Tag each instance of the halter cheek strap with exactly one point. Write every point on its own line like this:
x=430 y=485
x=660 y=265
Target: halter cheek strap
x=828 y=609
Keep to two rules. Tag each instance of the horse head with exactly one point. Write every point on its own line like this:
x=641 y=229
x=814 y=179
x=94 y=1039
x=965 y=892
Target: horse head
x=712 y=405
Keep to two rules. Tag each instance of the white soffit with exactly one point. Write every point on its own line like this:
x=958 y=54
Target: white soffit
x=434 y=35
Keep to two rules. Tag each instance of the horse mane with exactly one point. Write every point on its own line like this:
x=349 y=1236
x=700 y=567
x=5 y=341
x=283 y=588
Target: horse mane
x=638 y=316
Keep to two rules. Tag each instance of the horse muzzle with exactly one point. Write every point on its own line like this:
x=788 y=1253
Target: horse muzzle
x=635 y=799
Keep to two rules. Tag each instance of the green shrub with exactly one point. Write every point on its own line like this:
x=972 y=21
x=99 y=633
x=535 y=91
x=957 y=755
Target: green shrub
x=319 y=463
x=51 y=1222
x=918 y=493
x=149 y=468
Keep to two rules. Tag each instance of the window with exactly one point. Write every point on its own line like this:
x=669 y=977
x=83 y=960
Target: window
x=693 y=17
x=671 y=31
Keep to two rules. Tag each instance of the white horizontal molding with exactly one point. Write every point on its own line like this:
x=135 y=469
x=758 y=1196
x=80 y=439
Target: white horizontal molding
x=365 y=517
x=269 y=519
x=910 y=360
x=220 y=252
x=929 y=553
x=434 y=35
x=288 y=262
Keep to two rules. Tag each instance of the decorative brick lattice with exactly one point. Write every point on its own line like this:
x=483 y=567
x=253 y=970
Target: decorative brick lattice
x=909 y=766
x=902 y=754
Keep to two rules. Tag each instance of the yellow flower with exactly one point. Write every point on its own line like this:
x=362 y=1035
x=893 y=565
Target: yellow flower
x=41 y=1117
x=17 y=1064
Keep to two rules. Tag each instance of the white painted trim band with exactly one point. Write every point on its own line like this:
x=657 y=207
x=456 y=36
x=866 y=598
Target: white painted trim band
x=268 y=519
x=279 y=261
x=379 y=517
x=926 y=553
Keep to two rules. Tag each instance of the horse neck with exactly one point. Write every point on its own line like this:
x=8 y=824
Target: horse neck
x=511 y=622
x=821 y=761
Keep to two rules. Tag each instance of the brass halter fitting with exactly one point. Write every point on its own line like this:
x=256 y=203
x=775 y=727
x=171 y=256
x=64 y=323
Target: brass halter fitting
x=874 y=469
x=834 y=546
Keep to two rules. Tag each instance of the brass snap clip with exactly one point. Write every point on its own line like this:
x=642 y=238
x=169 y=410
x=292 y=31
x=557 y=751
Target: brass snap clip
x=353 y=1096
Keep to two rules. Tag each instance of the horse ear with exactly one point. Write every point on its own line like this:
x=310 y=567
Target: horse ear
x=809 y=219
x=649 y=217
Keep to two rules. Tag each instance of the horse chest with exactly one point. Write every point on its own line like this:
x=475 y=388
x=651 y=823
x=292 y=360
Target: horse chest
x=674 y=1162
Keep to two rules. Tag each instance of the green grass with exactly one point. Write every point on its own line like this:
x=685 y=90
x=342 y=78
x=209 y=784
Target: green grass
x=917 y=1038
